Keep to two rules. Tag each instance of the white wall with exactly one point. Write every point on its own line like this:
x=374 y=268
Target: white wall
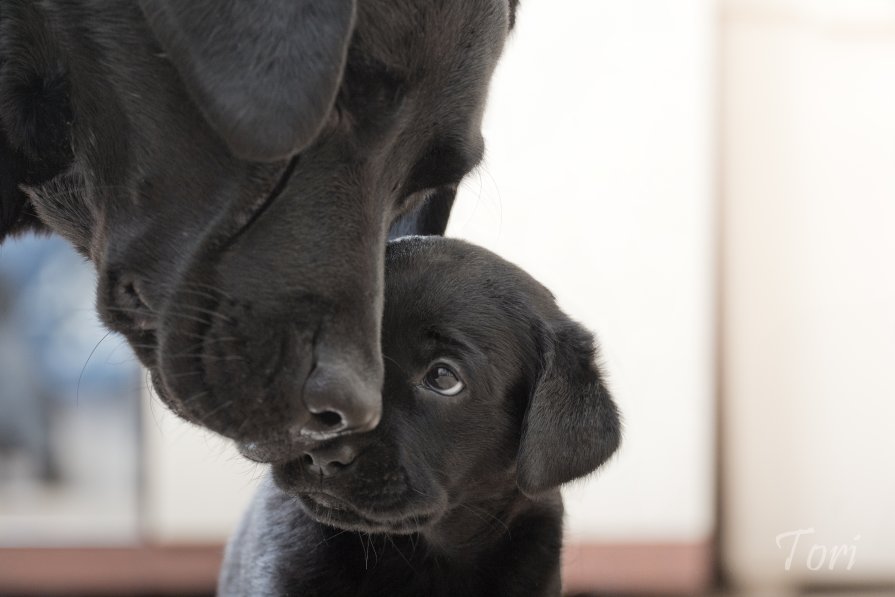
x=809 y=286
x=197 y=484
x=598 y=181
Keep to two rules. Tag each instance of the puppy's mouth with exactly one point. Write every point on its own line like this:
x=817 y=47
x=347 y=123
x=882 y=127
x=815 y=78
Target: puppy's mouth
x=377 y=498
x=330 y=510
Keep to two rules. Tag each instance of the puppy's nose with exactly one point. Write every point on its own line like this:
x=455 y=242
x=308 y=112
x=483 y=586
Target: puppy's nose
x=340 y=402
x=326 y=462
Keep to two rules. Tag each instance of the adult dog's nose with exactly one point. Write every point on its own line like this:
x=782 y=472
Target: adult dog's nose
x=326 y=462
x=340 y=402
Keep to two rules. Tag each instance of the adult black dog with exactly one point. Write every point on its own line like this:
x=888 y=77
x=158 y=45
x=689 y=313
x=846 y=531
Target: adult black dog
x=232 y=168
x=492 y=400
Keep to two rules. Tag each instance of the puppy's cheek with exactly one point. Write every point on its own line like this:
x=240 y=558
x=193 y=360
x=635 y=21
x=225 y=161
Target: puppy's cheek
x=425 y=489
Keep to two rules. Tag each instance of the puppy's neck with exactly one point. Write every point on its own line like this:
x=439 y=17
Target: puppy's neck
x=480 y=525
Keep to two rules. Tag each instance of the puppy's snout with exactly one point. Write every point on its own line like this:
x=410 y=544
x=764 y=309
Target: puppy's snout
x=340 y=401
x=326 y=462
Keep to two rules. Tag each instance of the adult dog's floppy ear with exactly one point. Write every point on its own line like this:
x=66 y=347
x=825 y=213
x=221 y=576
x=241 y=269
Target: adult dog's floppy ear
x=35 y=113
x=15 y=209
x=572 y=425
x=263 y=72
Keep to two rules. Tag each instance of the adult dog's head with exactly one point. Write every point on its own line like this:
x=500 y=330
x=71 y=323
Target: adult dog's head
x=491 y=394
x=233 y=167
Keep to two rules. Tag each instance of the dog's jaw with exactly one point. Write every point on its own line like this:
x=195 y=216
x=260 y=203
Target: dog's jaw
x=332 y=511
x=378 y=496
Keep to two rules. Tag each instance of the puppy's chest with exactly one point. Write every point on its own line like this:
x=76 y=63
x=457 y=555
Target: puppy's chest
x=397 y=567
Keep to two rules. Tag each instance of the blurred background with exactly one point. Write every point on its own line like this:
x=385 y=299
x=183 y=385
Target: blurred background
x=707 y=184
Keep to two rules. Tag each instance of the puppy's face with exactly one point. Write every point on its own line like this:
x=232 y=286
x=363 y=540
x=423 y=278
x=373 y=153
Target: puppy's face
x=489 y=389
x=236 y=197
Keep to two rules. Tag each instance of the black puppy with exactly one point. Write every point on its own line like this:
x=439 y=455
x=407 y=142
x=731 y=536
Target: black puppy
x=492 y=400
x=233 y=167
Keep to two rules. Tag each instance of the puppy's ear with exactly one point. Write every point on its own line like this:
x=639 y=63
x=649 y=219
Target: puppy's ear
x=572 y=425
x=263 y=72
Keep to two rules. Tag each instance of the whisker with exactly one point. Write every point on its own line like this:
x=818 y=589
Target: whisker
x=184 y=374
x=220 y=291
x=126 y=310
x=481 y=511
x=211 y=312
x=205 y=340
x=188 y=290
x=396 y=363
x=84 y=368
x=366 y=554
x=183 y=356
x=188 y=317
x=206 y=343
x=175 y=314
x=373 y=548
x=400 y=553
x=194 y=397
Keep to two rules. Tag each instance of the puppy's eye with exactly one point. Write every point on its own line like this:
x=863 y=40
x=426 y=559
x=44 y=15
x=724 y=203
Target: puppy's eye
x=444 y=380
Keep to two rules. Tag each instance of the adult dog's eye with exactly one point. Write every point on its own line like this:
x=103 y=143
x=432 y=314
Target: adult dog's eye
x=444 y=380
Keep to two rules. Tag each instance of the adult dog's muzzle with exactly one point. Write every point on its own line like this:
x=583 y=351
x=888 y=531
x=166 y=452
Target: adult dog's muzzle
x=267 y=334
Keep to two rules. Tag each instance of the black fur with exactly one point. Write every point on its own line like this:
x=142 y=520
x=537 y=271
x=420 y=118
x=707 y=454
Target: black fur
x=450 y=495
x=265 y=91
x=232 y=168
x=35 y=113
x=430 y=218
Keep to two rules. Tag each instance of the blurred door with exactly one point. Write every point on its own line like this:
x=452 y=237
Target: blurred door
x=809 y=291
x=69 y=411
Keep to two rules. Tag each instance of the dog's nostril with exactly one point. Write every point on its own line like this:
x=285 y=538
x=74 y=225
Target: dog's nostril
x=329 y=460
x=129 y=301
x=329 y=418
x=129 y=288
x=341 y=401
x=129 y=296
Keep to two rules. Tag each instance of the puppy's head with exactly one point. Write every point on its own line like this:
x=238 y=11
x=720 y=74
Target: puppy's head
x=490 y=389
x=233 y=168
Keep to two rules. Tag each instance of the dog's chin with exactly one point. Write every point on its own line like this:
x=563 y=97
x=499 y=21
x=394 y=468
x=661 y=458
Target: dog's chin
x=161 y=391
x=335 y=512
